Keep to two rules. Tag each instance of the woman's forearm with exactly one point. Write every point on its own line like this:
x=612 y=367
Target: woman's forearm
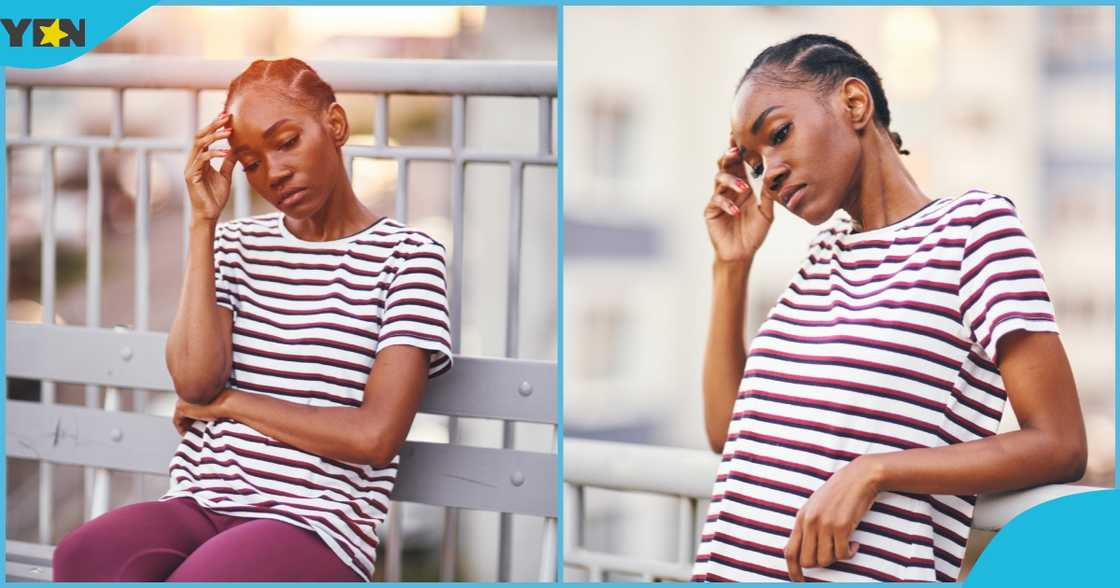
x=1008 y=461
x=340 y=433
x=725 y=352
x=198 y=345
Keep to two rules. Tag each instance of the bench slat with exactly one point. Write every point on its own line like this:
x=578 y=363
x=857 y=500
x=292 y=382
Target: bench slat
x=431 y=473
x=477 y=387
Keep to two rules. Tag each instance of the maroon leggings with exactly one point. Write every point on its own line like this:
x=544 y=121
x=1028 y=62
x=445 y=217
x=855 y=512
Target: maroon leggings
x=179 y=541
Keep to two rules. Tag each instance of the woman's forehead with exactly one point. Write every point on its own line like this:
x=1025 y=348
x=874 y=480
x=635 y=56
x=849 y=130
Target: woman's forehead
x=255 y=111
x=755 y=103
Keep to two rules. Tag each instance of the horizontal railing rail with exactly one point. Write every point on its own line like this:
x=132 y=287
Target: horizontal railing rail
x=391 y=76
x=477 y=387
x=688 y=474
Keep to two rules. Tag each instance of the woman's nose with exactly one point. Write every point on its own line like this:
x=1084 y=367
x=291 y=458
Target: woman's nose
x=774 y=178
x=278 y=173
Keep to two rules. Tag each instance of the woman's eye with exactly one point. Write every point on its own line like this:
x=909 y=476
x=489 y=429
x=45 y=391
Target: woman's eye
x=290 y=143
x=251 y=166
x=781 y=133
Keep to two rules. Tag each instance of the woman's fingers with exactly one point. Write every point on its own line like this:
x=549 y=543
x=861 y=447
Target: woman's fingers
x=728 y=182
x=200 y=142
x=793 y=553
x=843 y=548
x=198 y=169
x=227 y=165
x=825 y=552
x=808 y=547
x=720 y=204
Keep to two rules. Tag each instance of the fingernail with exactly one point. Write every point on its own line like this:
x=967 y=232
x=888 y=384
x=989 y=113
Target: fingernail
x=741 y=184
x=735 y=210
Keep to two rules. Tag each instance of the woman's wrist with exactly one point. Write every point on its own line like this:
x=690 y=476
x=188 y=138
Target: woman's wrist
x=734 y=269
x=874 y=471
x=199 y=223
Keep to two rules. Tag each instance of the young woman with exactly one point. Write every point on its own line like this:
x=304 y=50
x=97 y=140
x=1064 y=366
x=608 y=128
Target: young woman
x=859 y=428
x=299 y=352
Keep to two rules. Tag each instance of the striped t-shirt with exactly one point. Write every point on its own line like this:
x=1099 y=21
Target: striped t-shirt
x=308 y=321
x=884 y=340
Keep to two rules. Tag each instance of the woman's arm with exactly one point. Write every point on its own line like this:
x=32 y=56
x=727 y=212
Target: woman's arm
x=725 y=352
x=198 y=351
x=1050 y=447
x=370 y=434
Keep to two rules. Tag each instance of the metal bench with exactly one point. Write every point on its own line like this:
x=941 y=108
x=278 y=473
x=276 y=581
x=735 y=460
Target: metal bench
x=459 y=476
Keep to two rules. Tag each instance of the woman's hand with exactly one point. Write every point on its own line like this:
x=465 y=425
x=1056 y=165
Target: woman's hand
x=824 y=525
x=209 y=189
x=737 y=225
x=186 y=413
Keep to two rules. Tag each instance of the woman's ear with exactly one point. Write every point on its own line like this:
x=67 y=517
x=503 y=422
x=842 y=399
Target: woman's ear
x=857 y=102
x=337 y=124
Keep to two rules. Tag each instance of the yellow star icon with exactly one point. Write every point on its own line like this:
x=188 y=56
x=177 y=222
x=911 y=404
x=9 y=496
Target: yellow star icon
x=52 y=34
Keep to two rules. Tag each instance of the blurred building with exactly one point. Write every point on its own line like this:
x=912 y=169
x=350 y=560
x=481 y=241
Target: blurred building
x=310 y=33
x=1014 y=100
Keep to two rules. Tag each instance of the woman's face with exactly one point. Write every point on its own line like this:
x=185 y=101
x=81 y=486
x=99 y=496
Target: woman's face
x=804 y=140
x=288 y=152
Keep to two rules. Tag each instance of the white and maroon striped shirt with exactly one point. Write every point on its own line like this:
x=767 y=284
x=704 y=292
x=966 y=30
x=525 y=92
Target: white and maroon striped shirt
x=309 y=320
x=884 y=340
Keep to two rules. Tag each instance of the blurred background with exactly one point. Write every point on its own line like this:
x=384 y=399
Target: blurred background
x=310 y=33
x=1014 y=100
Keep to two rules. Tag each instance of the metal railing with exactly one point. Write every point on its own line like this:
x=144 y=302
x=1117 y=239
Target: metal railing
x=687 y=475
x=379 y=79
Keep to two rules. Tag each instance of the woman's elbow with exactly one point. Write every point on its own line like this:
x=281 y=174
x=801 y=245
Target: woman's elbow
x=1074 y=457
x=378 y=451
x=715 y=442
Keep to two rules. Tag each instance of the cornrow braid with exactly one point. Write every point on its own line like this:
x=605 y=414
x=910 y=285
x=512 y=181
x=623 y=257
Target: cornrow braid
x=301 y=82
x=824 y=61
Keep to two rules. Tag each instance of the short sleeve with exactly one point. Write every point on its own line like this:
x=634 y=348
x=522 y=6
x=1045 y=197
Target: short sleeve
x=416 y=305
x=225 y=290
x=1002 y=288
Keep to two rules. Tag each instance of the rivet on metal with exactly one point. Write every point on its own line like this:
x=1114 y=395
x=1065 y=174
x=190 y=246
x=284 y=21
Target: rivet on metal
x=525 y=389
x=116 y=434
x=517 y=478
x=126 y=353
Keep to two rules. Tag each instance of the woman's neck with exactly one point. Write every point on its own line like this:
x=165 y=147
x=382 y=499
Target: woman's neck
x=341 y=215
x=884 y=191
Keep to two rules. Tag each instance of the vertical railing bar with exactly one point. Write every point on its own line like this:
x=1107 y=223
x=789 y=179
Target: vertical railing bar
x=25 y=96
x=513 y=270
x=547 y=571
x=393 y=548
x=193 y=98
x=401 y=205
x=544 y=125
x=240 y=196
x=450 y=546
x=513 y=295
x=93 y=287
x=47 y=294
x=458 y=170
x=684 y=525
x=348 y=161
x=143 y=276
x=579 y=514
x=116 y=123
x=192 y=114
x=381 y=120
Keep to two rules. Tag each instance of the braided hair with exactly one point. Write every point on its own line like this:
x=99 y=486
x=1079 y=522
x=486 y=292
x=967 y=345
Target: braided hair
x=301 y=82
x=825 y=61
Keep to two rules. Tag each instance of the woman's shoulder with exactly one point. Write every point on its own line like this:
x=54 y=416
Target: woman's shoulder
x=260 y=225
x=975 y=203
x=399 y=236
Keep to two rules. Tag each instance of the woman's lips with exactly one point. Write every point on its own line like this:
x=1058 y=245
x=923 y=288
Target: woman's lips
x=795 y=198
x=293 y=198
